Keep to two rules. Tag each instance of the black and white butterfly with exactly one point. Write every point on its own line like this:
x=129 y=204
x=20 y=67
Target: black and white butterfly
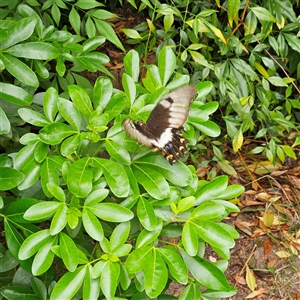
x=164 y=123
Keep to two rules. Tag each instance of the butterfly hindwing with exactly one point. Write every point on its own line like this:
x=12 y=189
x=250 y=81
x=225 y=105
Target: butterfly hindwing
x=163 y=124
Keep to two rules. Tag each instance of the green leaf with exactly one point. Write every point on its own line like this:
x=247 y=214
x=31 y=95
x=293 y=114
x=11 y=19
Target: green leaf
x=70 y=145
x=70 y=113
x=81 y=99
x=153 y=182
x=207 y=210
x=91 y=286
x=129 y=87
x=92 y=43
x=69 y=252
x=106 y=30
x=166 y=64
x=115 y=176
x=10 y=178
x=146 y=215
x=19 y=70
x=74 y=19
x=103 y=89
x=14 y=94
x=92 y=225
x=39 y=288
x=176 y=265
x=33 y=243
x=34 y=50
x=5 y=127
x=119 y=235
x=93 y=62
x=69 y=284
x=18 y=292
x=50 y=103
x=146 y=237
x=132 y=33
x=277 y=81
x=138 y=259
x=18 y=32
x=211 y=190
x=32 y=173
x=84 y=4
x=24 y=156
x=192 y=291
x=132 y=64
x=33 y=117
x=55 y=133
x=190 y=239
x=118 y=152
x=111 y=212
x=263 y=14
x=43 y=260
x=96 y=197
x=232 y=10
x=56 y=191
x=80 y=178
x=59 y=220
x=208 y=127
x=110 y=279
x=156 y=275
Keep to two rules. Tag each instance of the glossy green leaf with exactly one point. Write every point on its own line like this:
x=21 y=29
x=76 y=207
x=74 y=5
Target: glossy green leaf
x=39 y=288
x=19 y=70
x=43 y=260
x=92 y=225
x=5 y=126
x=119 y=235
x=232 y=10
x=153 y=182
x=138 y=259
x=69 y=112
x=69 y=252
x=206 y=211
x=91 y=286
x=40 y=151
x=92 y=43
x=129 y=87
x=74 y=19
x=70 y=145
x=190 y=239
x=15 y=94
x=19 y=292
x=18 y=32
x=263 y=14
x=146 y=215
x=59 y=220
x=81 y=99
x=33 y=243
x=103 y=89
x=118 y=152
x=166 y=64
x=175 y=263
x=156 y=275
x=96 y=197
x=131 y=64
x=110 y=279
x=32 y=173
x=146 y=237
x=115 y=176
x=80 y=178
x=211 y=190
x=232 y=191
x=55 y=133
x=206 y=273
x=111 y=212
x=106 y=30
x=192 y=291
x=69 y=284
x=93 y=62
x=33 y=117
x=10 y=178
x=208 y=127
x=56 y=191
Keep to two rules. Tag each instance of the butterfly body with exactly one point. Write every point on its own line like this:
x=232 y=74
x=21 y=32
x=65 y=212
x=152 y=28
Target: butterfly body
x=165 y=121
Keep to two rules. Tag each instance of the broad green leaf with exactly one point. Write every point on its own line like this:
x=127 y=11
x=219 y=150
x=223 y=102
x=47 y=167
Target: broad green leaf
x=166 y=64
x=132 y=64
x=32 y=173
x=232 y=191
x=56 y=191
x=42 y=210
x=153 y=182
x=205 y=272
x=10 y=178
x=83 y=4
x=232 y=10
x=263 y=14
x=24 y=156
x=115 y=176
x=192 y=291
x=132 y=33
x=277 y=81
x=55 y=133
x=293 y=41
x=33 y=243
x=69 y=284
x=146 y=215
x=74 y=19
x=69 y=252
x=154 y=74
x=156 y=275
x=213 y=234
x=96 y=197
x=50 y=103
x=14 y=94
x=106 y=30
x=33 y=117
x=69 y=112
x=81 y=99
x=19 y=70
x=206 y=211
x=190 y=239
x=102 y=93
x=138 y=259
x=70 y=145
x=59 y=220
x=119 y=235
x=208 y=127
x=111 y=212
x=40 y=151
x=129 y=87
x=18 y=32
x=5 y=126
x=176 y=265
x=118 y=152
x=92 y=225
x=39 y=287
x=43 y=260
x=34 y=50
x=18 y=292
x=211 y=190
x=93 y=62
x=203 y=89
x=110 y=279
x=146 y=237
x=91 y=286
x=92 y=43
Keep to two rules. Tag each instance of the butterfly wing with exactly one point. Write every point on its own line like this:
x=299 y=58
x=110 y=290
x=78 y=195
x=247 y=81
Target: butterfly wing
x=163 y=124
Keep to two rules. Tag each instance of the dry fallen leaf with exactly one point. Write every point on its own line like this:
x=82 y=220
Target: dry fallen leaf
x=250 y=279
x=267 y=248
x=257 y=293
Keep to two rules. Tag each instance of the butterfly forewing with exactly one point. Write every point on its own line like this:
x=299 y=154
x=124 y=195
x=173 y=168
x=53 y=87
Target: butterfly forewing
x=163 y=124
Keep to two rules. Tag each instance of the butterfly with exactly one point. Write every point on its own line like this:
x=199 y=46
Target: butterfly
x=161 y=131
